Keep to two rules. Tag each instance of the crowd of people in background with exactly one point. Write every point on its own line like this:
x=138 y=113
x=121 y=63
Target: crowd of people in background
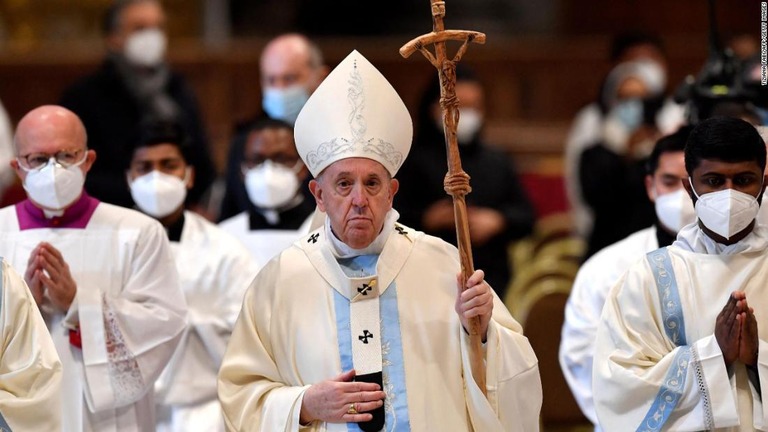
x=162 y=295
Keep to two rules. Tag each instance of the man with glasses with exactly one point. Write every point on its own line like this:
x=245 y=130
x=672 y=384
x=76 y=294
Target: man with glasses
x=103 y=278
x=275 y=179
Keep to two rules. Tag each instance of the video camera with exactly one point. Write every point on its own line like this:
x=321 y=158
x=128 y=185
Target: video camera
x=724 y=80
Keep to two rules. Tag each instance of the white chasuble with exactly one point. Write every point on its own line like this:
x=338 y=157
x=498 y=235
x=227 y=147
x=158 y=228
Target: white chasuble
x=658 y=365
x=129 y=310
x=30 y=370
x=295 y=330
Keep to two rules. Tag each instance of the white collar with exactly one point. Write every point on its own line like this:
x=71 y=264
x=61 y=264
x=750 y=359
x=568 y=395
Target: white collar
x=693 y=239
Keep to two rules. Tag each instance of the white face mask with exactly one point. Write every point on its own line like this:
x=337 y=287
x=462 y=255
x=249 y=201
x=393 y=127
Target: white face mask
x=675 y=210
x=470 y=121
x=158 y=194
x=54 y=187
x=762 y=215
x=271 y=185
x=146 y=47
x=726 y=212
x=285 y=103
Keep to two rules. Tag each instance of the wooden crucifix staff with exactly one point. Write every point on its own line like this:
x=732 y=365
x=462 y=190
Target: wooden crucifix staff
x=456 y=181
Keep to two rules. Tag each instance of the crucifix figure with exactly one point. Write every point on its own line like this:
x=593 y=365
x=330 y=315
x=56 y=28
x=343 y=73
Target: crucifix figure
x=456 y=181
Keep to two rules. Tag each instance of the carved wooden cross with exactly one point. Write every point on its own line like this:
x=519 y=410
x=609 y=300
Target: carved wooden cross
x=456 y=181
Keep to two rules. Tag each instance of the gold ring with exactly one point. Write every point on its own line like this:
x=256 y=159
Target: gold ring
x=351 y=409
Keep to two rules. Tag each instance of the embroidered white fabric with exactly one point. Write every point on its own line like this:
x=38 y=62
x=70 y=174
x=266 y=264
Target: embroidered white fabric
x=709 y=421
x=124 y=374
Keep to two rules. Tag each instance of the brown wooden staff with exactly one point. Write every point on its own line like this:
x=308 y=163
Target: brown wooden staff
x=456 y=181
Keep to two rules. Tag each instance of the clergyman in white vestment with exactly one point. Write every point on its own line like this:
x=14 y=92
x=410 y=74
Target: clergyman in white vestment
x=674 y=210
x=214 y=268
x=103 y=276
x=681 y=342
x=360 y=325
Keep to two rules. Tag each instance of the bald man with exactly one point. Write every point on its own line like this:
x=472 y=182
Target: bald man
x=103 y=278
x=291 y=68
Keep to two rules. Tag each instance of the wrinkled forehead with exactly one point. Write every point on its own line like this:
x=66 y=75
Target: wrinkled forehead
x=358 y=167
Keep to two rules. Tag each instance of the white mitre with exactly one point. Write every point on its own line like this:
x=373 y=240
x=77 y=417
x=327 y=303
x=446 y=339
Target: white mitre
x=355 y=112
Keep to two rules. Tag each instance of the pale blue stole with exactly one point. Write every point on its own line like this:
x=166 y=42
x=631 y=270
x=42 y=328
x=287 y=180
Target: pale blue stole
x=671 y=390
x=396 y=402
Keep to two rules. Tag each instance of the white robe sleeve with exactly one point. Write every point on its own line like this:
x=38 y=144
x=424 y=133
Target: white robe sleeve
x=511 y=366
x=213 y=321
x=128 y=337
x=640 y=376
x=577 y=342
x=251 y=390
x=30 y=370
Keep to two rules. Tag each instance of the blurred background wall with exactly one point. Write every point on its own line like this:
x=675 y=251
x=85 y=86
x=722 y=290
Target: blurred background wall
x=542 y=62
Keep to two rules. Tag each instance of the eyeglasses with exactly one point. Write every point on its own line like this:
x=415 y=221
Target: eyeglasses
x=38 y=161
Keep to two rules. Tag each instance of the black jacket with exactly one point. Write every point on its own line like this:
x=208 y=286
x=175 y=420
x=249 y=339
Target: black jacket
x=613 y=186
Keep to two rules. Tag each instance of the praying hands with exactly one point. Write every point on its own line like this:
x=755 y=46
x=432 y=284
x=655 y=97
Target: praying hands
x=736 y=331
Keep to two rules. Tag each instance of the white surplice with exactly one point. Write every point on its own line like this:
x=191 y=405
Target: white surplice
x=129 y=307
x=215 y=269
x=290 y=335
x=264 y=244
x=585 y=303
x=657 y=363
x=30 y=370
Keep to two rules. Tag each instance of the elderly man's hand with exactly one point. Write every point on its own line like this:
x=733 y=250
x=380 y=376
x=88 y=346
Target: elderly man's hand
x=330 y=401
x=50 y=271
x=475 y=301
